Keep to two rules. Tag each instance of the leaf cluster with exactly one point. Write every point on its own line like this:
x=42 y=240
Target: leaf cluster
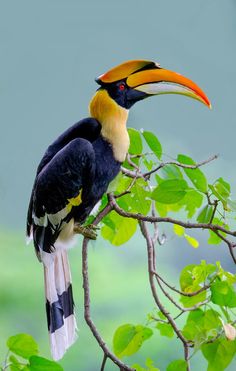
x=209 y=328
x=23 y=355
x=152 y=186
x=170 y=187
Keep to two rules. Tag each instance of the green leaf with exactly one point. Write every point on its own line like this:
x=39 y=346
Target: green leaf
x=232 y=204
x=190 y=283
x=153 y=143
x=170 y=191
x=219 y=354
x=221 y=197
x=192 y=279
x=201 y=272
x=138 y=200
x=129 y=338
x=202 y=325
x=136 y=145
x=178 y=365
x=119 y=184
x=186 y=277
x=223 y=294
x=118 y=229
x=194 y=328
x=149 y=364
x=165 y=329
x=223 y=188
x=193 y=300
x=161 y=315
x=192 y=241
x=148 y=163
x=20 y=367
x=195 y=175
x=212 y=320
x=43 y=364
x=137 y=367
x=23 y=345
x=15 y=365
x=171 y=172
x=214 y=239
x=191 y=201
x=179 y=230
x=205 y=214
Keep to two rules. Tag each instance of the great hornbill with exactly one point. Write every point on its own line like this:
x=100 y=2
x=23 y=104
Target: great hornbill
x=75 y=172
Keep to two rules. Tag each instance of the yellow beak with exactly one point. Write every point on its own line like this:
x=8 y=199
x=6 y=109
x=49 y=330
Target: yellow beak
x=161 y=81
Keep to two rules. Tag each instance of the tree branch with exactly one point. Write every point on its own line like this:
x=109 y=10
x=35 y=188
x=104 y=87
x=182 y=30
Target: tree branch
x=87 y=314
x=131 y=173
x=230 y=245
x=164 y=311
x=182 y=309
x=189 y=294
x=104 y=362
x=139 y=174
x=151 y=219
x=179 y=164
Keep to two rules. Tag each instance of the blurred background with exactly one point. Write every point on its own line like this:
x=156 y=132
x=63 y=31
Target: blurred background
x=51 y=51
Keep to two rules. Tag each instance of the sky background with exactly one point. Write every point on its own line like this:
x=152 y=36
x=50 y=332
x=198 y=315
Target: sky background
x=50 y=53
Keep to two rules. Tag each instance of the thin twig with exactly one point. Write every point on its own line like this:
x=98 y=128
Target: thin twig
x=131 y=163
x=158 y=320
x=189 y=294
x=147 y=175
x=155 y=237
x=104 y=362
x=215 y=203
x=130 y=173
x=179 y=164
x=164 y=311
x=230 y=245
x=178 y=315
x=128 y=190
x=182 y=309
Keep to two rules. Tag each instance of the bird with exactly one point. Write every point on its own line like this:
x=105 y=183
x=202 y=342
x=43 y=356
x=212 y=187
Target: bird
x=75 y=172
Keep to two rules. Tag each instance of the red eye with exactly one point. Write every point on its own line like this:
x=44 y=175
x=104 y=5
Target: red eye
x=122 y=87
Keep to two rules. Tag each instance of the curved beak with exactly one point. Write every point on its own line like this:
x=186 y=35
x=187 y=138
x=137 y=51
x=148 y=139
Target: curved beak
x=161 y=81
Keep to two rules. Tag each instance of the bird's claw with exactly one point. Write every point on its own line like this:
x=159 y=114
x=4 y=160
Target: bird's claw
x=88 y=231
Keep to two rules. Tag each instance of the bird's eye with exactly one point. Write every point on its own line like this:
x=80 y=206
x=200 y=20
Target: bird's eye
x=122 y=87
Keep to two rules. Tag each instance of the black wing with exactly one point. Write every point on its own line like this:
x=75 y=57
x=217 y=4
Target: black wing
x=58 y=188
x=88 y=128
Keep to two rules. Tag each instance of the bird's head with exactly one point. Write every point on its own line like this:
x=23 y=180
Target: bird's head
x=128 y=83
x=135 y=80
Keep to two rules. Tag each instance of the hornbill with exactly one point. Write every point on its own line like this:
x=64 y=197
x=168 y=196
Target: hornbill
x=75 y=172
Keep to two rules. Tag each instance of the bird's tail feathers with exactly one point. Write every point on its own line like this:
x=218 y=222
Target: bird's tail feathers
x=59 y=303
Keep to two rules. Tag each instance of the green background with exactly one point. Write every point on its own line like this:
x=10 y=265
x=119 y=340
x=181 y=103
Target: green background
x=51 y=51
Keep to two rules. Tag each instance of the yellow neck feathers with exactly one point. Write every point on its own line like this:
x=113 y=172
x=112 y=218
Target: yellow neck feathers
x=112 y=118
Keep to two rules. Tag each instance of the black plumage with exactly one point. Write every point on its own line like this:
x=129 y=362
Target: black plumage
x=80 y=159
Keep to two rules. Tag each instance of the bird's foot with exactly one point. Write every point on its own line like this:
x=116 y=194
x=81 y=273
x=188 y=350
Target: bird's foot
x=88 y=231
